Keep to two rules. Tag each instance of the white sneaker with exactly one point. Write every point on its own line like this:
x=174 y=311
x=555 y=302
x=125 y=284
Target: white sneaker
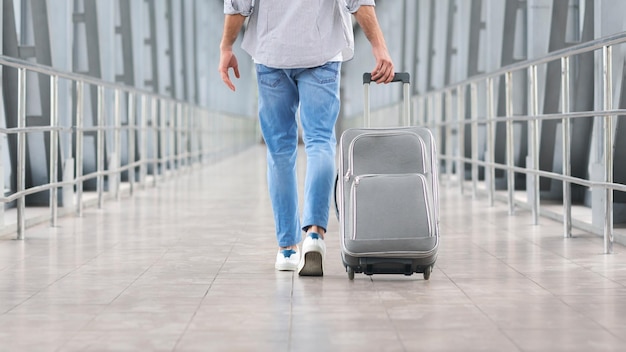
x=287 y=260
x=313 y=253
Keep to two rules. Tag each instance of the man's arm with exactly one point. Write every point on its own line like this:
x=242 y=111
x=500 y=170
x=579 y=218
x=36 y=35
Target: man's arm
x=232 y=26
x=366 y=17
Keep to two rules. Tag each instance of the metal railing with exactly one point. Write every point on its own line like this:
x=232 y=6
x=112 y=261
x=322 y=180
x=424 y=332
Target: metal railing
x=163 y=137
x=430 y=107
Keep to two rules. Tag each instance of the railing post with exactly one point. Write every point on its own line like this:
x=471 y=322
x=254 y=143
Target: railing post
x=510 y=144
x=490 y=169
x=163 y=137
x=132 y=134
x=196 y=130
x=183 y=137
x=80 y=109
x=54 y=148
x=474 y=113
x=430 y=111
x=420 y=106
x=194 y=127
x=191 y=134
x=460 y=166
x=533 y=145
x=171 y=111
x=439 y=130
x=212 y=136
x=21 y=152
x=117 y=142
x=448 y=132
x=100 y=146
x=172 y=138
x=413 y=121
x=566 y=133
x=207 y=138
x=201 y=120
x=143 y=140
x=179 y=137
x=607 y=70
x=155 y=141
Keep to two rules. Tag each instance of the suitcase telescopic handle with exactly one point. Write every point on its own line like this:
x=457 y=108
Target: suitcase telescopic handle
x=403 y=77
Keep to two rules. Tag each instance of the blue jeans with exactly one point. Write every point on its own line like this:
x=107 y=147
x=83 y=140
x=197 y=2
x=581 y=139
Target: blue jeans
x=316 y=92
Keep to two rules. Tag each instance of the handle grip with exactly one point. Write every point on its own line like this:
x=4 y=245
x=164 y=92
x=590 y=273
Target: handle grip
x=403 y=77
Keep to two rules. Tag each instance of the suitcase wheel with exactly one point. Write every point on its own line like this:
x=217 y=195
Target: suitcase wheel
x=427 y=272
x=350 y=273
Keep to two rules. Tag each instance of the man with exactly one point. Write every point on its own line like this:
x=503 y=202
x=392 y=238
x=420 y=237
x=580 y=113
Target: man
x=298 y=47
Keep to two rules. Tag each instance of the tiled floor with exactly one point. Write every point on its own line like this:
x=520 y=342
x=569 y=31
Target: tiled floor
x=188 y=266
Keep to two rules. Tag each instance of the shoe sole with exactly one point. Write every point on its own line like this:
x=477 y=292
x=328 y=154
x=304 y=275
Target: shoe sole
x=286 y=267
x=312 y=265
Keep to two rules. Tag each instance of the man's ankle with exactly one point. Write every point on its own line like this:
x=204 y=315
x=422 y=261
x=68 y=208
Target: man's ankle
x=316 y=229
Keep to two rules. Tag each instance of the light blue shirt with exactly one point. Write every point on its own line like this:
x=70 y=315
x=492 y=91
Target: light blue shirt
x=297 y=33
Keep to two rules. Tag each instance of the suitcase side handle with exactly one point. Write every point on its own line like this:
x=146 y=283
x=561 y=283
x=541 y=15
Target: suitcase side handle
x=403 y=77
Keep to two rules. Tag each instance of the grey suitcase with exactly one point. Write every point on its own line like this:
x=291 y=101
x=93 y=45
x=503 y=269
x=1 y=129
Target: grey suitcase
x=387 y=197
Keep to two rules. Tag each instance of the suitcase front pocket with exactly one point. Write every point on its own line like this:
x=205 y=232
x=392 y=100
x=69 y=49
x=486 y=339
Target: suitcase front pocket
x=396 y=206
x=389 y=152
